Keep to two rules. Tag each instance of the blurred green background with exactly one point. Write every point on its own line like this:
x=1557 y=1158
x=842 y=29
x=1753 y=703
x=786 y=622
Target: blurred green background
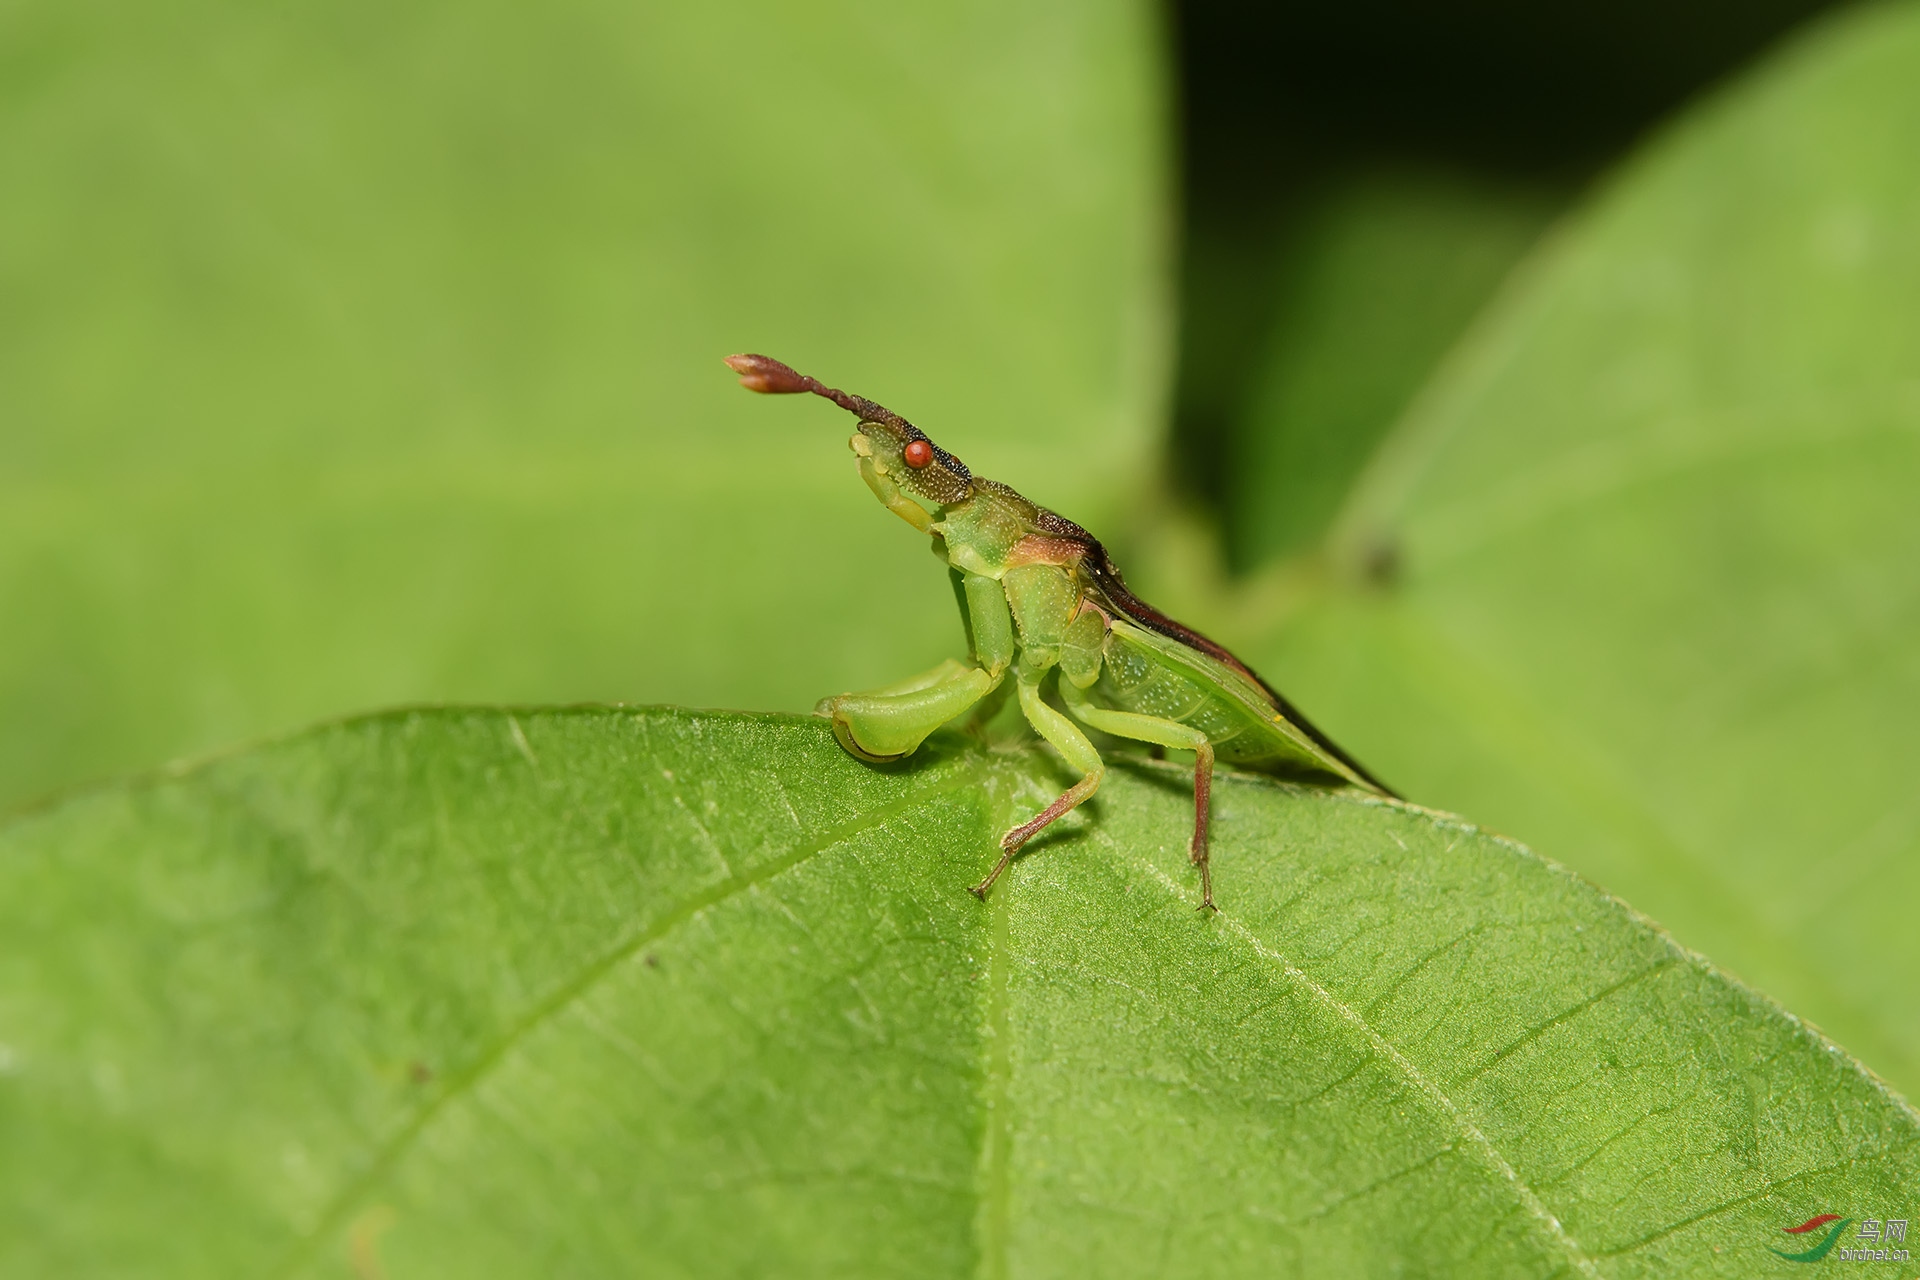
x=357 y=355
x=1527 y=391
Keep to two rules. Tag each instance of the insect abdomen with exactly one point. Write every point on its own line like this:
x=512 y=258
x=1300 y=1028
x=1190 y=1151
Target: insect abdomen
x=1135 y=678
x=1156 y=676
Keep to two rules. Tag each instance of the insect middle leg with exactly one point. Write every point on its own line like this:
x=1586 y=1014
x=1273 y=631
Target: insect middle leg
x=1079 y=753
x=1166 y=733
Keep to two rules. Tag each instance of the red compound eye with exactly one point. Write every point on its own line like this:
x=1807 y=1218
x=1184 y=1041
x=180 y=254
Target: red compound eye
x=918 y=453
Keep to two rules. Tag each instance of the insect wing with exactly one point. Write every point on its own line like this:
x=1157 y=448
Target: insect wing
x=1234 y=710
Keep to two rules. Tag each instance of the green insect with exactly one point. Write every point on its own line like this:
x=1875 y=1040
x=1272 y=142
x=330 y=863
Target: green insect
x=1037 y=594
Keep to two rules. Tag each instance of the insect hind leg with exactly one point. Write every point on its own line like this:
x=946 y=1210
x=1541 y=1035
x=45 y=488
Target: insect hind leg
x=1166 y=733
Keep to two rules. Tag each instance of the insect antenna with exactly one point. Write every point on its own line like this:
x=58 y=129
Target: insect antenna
x=770 y=377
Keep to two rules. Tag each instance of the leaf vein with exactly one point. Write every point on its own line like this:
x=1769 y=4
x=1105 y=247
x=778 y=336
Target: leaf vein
x=1564 y=1016
x=570 y=992
x=1435 y=1097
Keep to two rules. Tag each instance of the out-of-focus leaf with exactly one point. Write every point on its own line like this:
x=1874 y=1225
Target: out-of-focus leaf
x=1658 y=607
x=353 y=354
x=1381 y=279
x=603 y=992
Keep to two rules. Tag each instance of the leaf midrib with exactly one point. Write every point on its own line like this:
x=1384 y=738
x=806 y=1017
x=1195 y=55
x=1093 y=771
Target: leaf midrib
x=993 y=1188
x=1386 y=1051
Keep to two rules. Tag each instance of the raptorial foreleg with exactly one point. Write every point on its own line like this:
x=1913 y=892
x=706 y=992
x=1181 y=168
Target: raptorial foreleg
x=886 y=724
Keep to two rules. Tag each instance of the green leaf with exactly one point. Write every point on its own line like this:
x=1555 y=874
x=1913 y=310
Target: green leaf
x=1657 y=608
x=606 y=992
x=1387 y=270
x=353 y=355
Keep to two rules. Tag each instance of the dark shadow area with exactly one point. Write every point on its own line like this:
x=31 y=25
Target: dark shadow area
x=1358 y=179
x=1174 y=779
